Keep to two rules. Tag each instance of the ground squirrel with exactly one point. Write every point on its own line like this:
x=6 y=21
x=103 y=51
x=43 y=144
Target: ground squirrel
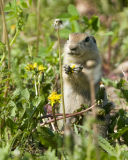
x=81 y=57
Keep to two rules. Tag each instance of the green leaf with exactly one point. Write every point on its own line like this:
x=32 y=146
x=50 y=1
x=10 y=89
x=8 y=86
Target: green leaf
x=12 y=103
x=24 y=4
x=64 y=33
x=11 y=124
x=49 y=154
x=85 y=19
x=104 y=144
x=75 y=26
x=30 y=2
x=25 y=94
x=110 y=33
x=72 y=10
x=16 y=93
x=2 y=47
x=64 y=15
x=46 y=136
x=120 y=132
x=38 y=100
x=95 y=23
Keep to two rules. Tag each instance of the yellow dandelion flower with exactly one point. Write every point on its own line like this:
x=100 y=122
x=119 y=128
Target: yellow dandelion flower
x=13 y=27
x=41 y=68
x=35 y=65
x=72 y=67
x=29 y=67
x=54 y=98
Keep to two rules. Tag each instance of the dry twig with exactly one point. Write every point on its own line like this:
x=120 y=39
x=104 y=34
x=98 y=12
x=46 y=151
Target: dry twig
x=67 y=115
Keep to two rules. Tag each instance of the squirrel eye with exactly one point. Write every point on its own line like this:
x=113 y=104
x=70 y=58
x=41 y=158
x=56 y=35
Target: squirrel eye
x=87 y=39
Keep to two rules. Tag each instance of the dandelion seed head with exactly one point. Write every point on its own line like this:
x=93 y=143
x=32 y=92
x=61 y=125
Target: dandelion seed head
x=57 y=23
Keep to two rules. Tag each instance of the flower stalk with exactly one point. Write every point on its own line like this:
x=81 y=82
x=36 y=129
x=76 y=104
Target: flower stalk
x=36 y=91
x=54 y=98
x=57 y=26
x=37 y=71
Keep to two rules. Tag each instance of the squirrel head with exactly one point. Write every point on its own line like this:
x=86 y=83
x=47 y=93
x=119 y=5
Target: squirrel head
x=80 y=44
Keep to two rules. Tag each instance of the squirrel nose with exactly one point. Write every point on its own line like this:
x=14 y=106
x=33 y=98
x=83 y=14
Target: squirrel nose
x=73 y=47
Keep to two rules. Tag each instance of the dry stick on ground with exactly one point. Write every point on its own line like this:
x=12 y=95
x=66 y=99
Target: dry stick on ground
x=68 y=115
x=7 y=43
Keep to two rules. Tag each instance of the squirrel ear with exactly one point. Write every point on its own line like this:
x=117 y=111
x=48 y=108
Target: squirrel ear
x=87 y=39
x=94 y=40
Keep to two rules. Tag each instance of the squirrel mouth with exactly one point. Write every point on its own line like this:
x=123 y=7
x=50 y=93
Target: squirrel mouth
x=73 y=53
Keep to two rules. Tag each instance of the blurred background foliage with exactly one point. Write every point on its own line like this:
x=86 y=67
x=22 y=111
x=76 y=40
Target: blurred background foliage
x=33 y=39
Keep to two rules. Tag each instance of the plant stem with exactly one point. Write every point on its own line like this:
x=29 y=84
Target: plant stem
x=6 y=34
x=39 y=84
x=35 y=85
x=6 y=40
x=55 y=122
x=38 y=27
x=61 y=76
x=14 y=38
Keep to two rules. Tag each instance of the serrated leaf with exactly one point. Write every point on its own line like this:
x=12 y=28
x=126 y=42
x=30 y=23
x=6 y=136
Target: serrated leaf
x=37 y=101
x=12 y=103
x=25 y=94
x=72 y=10
x=104 y=144
x=16 y=93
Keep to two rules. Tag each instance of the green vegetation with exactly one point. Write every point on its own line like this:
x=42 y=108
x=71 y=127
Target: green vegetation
x=29 y=73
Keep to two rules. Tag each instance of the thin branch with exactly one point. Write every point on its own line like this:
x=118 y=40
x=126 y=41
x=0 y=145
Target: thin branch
x=69 y=115
x=50 y=115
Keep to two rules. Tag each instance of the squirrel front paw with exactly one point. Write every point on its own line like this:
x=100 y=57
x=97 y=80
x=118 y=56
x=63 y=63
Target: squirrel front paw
x=78 y=69
x=67 y=69
x=72 y=69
